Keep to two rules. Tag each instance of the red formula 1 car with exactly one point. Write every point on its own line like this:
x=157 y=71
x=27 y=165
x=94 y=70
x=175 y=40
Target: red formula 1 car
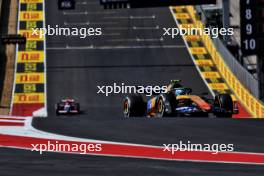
x=67 y=106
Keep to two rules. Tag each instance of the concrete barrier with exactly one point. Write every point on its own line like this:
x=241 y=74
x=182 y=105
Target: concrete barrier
x=252 y=104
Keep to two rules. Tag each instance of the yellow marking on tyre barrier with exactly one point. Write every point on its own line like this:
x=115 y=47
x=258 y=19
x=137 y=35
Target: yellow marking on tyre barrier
x=25 y=98
x=29 y=78
x=31 y=16
x=186 y=26
x=183 y=16
x=31 y=1
x=32 y=35
x=193 y=38
x=204 y=62
x=198 y=50
x=211 y=75
x=218 y=86
x=30 y=56
x=179 y=9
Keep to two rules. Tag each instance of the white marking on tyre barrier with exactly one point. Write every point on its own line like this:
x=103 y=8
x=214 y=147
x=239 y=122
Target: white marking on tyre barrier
x=91 y=47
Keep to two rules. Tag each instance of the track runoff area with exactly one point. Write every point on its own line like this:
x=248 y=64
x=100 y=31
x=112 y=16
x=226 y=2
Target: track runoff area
x=130 y=49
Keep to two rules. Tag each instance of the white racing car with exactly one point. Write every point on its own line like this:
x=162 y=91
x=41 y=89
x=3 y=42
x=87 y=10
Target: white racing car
x=67 y=106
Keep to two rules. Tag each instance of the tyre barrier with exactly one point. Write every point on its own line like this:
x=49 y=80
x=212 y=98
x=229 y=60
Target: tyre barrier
x=29 y=89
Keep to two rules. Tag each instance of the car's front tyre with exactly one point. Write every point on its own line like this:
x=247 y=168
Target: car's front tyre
x=225 y=103
x=160 y=109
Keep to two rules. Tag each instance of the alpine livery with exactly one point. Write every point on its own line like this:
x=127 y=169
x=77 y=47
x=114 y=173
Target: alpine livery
x=67 y=106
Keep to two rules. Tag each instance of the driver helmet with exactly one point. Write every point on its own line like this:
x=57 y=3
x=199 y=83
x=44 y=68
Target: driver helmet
x=179 y=91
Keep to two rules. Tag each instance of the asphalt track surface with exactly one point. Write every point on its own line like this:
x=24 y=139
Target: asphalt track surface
x=59 y=164
x=75 y=69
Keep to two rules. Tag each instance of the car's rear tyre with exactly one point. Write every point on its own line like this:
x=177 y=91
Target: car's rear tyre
x=134 y=106
x=224 y=101
x=165 y=105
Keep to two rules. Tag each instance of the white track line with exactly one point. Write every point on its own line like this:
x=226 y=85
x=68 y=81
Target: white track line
x=89 y=13
x=146 y=28
x=131 y=17
x=87 y=3
x=12 y=121
x=110 y=34
x=114 y=47
x=137 y=40
x=104 y=34
x=89 y=23
x=133 y=28
x=117 y=28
